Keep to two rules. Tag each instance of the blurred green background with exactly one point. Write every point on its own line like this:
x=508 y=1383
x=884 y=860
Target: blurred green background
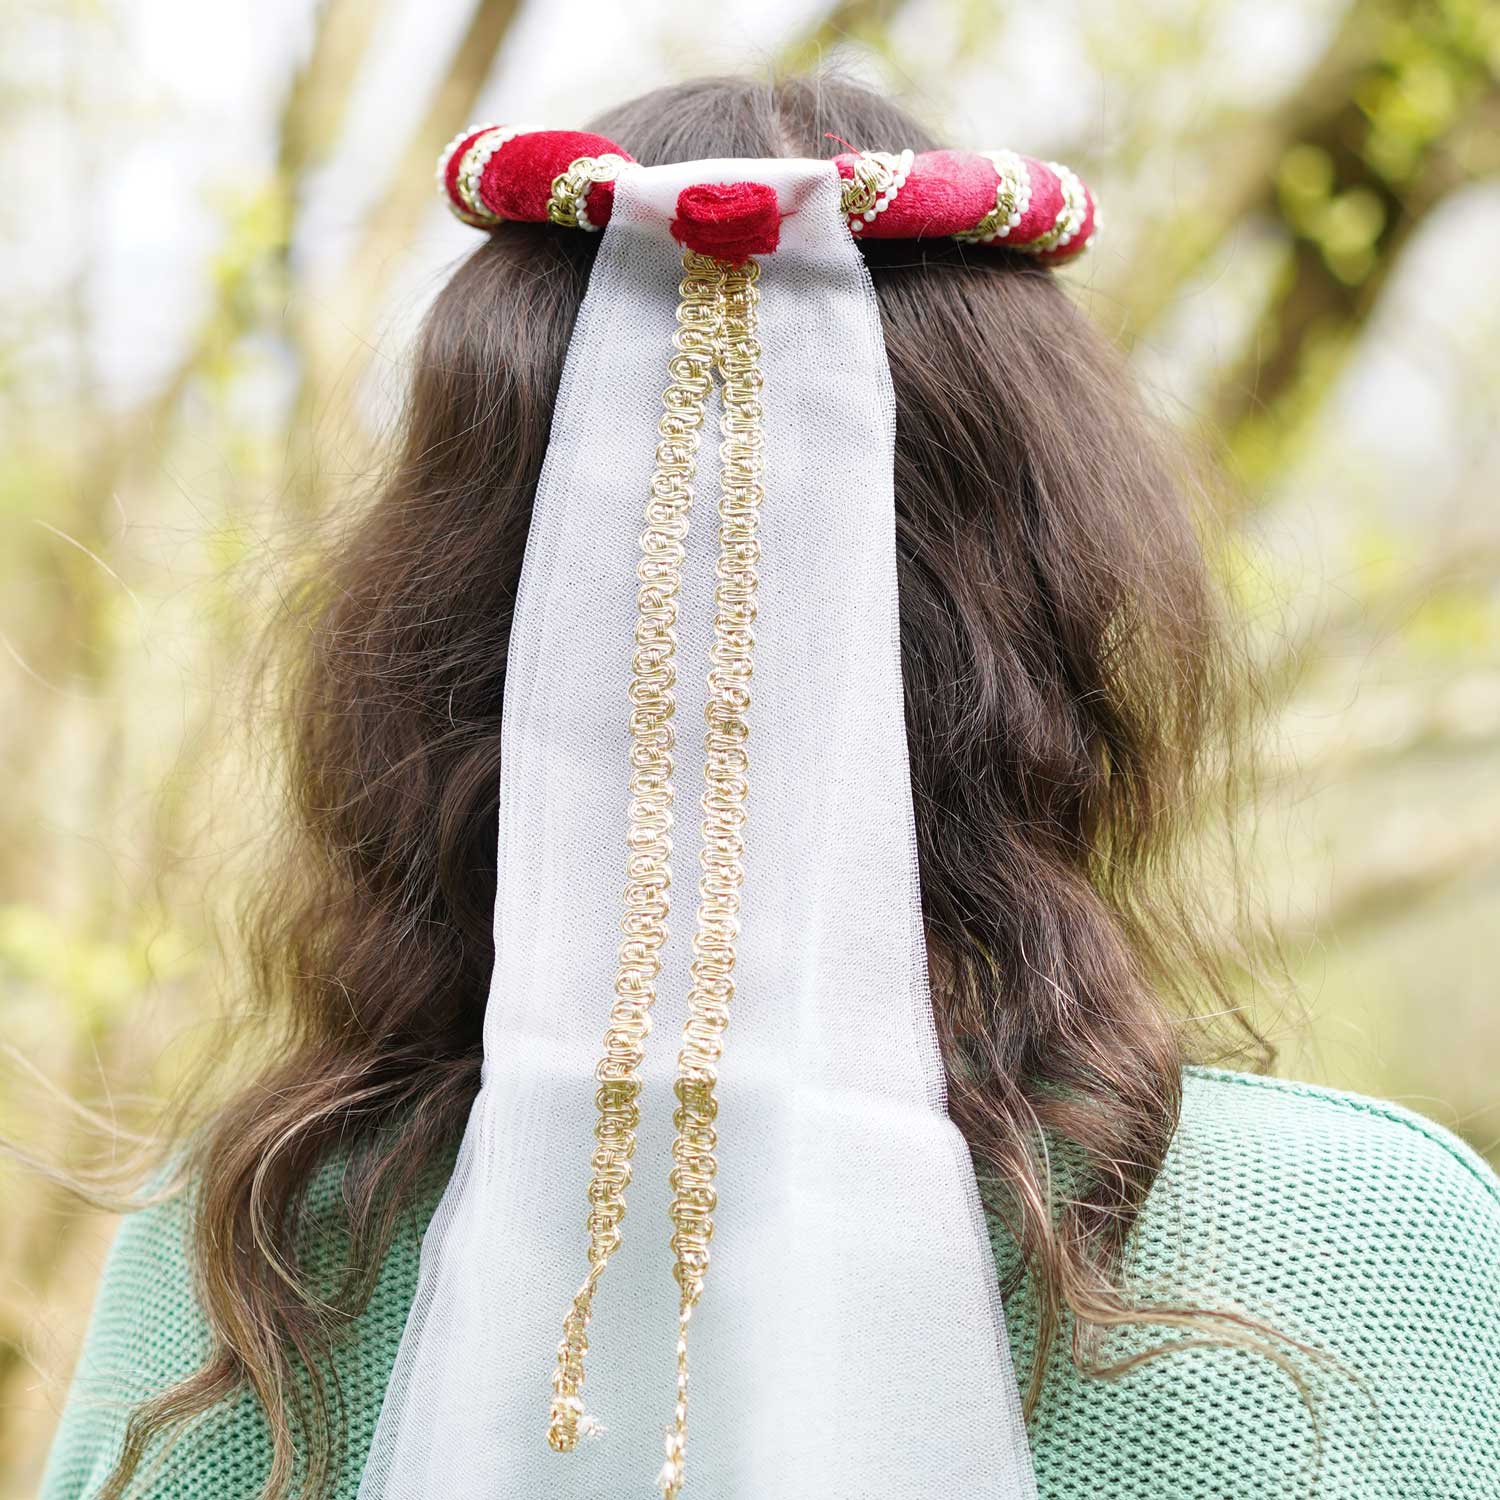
x=220 y=231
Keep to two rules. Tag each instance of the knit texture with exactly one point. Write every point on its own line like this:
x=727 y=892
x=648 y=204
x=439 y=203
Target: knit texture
x=1351 y=1225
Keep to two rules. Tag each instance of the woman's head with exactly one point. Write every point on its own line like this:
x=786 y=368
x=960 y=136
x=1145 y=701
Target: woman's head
x=1062 y=658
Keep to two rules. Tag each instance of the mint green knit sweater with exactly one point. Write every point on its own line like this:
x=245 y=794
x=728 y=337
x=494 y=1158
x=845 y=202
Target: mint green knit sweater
x=1353 y=1225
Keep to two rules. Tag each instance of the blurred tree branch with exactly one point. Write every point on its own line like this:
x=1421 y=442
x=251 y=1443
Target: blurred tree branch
x=319 y=94
x=393 y=222
x=120 y=450
x=314 y=104
x=1402 y=108
x=1245 y=152
x=326 y=393
x=1469 y=560
x=1333 y=283
x=1448 y=856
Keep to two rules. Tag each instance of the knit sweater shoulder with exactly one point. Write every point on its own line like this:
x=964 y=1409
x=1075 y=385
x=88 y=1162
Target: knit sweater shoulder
x=1354 y=1227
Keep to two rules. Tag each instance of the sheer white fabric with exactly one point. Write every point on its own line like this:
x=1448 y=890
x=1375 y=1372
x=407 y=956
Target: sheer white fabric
x=850 y=1343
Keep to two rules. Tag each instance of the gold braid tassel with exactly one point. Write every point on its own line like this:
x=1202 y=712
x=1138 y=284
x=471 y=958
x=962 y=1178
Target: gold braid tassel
x=726 y=786
x=717 y=331
x=648 y=871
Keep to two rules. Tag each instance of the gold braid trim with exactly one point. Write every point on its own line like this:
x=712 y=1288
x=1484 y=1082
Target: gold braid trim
x=1012 y=199
x=1069 y=218
x=649 y=838
x=726 y=786
x=878 y=176
x=471 y=174
x=568 y=202
x=717 y=330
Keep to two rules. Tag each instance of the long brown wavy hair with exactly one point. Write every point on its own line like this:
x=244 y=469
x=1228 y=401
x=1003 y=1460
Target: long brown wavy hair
x=1069 y=696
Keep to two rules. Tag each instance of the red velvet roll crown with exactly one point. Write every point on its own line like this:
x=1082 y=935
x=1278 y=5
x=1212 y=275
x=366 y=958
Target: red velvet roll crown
x=490 y=173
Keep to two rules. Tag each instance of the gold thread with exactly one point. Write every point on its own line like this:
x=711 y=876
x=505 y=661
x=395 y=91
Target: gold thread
x=648 y=878
x=471 y=172
x=717 y=332
x=445 y=160
x=726 y=765
x=863 y=187
x=1012 y=198
x=877 y=177
x=1069 y=218
x=567 y=204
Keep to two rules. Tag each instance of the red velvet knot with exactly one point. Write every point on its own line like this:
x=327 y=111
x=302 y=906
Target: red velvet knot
x=729 y=220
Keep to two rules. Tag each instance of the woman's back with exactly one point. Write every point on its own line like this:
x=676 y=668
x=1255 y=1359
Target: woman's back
x=1362 y=1230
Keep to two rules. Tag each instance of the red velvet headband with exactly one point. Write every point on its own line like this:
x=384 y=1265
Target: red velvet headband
x=489 y=173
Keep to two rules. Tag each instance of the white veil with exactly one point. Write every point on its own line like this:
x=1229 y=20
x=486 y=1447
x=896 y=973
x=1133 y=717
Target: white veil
x=850 y=1344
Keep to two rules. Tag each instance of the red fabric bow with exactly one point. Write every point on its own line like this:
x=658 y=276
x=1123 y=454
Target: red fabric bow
x=729 y=220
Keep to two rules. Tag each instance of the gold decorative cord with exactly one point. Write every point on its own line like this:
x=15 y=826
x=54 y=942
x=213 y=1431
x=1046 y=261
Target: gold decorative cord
x=567 y=203
x=1069 y=217
x=1012 y=199
x=726 y=786
x=649 y=843
x=717 y=331
x=877 y=177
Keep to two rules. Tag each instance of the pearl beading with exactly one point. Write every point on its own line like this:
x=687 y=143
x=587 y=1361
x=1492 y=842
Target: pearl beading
x=1070 y=216
x=878 y=177
x=1012 y=199
x=474 y=211
x=444 y=157
x=568 y=204
x=875 y=181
